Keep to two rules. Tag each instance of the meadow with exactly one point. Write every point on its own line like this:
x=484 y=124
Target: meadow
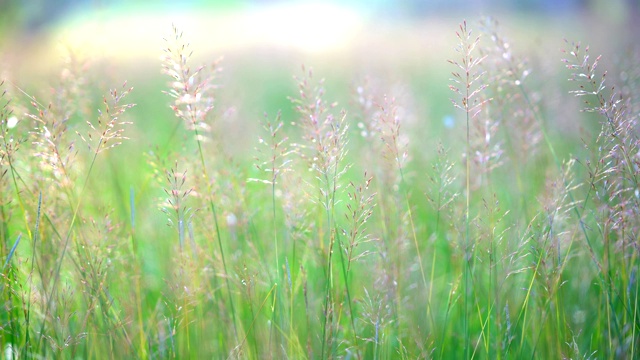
x=361 y=217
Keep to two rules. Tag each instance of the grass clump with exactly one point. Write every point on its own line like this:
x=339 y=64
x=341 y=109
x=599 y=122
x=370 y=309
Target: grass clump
x=340 y=240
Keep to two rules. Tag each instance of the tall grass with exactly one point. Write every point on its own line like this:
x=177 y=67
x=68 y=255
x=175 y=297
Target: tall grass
x=337 y=238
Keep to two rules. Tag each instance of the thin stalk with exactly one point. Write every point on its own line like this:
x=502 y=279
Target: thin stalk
x=176 y=67
x=329 y=267
x=491 y=301
x=33 y=260
x=467 y=221
x=484 y=332
x=291 y=330
x=275 y=226
x=109 y=132
x=14 y=177
x=415 y=243
x=217 y=229
x=446 y=317
x=253 y=316
x=635 y=319
x=575 y=208
x=493 y=272
x=438 y=206
x=330 y=198
x=187 y=323
x=525 y=307
x=414 y=236
x=254 y=320
x=275 y=243
x=395 y=304
x=56 y=277
x=345 y=276
x=465 y=77
x=138 y=268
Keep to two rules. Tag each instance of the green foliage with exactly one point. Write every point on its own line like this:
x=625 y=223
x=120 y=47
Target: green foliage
x=342 y=238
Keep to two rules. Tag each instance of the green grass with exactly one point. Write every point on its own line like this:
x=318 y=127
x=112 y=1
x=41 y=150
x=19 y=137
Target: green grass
x=365 y=228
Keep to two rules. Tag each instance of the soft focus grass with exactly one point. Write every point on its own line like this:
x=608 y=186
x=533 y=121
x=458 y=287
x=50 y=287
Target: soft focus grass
x=516 y=241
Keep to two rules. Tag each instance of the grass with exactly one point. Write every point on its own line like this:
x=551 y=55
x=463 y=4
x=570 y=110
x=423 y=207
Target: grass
x=344 y=234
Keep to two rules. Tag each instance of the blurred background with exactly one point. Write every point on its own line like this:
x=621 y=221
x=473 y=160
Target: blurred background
x=130 y=30
x=403 y=43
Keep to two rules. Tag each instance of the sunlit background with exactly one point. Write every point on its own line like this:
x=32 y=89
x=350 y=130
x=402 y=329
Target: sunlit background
x=133 y=30
x=263 y=43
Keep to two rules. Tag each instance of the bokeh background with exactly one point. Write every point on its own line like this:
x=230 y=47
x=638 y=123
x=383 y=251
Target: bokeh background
x=404 y=44
x=401 y=46
x=267 y=40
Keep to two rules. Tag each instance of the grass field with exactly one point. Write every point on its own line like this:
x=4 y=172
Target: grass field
x=462 y=196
